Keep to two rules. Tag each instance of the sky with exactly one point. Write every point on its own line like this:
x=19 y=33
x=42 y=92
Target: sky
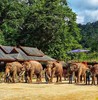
x=86 y=10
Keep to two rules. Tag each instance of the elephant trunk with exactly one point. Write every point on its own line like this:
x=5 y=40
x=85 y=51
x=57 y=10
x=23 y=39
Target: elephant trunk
x=7 y=72
x=48 y=74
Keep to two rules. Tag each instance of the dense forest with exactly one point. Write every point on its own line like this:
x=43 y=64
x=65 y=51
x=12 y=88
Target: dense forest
x=89 y=33
x=49 y=25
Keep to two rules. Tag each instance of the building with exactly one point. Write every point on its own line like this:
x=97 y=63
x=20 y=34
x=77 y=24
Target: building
x=21 y=53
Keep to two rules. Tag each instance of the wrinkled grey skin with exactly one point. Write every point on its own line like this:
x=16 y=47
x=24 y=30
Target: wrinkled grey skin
x=55 y=69
x=13 y=70
x=94 y=72
x=32 y=68
x=48 y=72
x=80 y=70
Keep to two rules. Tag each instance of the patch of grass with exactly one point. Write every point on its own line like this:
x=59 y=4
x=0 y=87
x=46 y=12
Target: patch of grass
x=1 y=76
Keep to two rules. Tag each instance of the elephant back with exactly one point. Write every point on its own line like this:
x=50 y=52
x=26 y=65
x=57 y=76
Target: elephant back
x=78 y=66
x=17 y=66
x=94 y=69
x=36 y=66
x=58 y=68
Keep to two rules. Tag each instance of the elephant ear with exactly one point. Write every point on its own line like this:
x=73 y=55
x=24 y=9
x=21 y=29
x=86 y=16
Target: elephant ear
x=30 y=65
x=9 y=65
x=54 y=65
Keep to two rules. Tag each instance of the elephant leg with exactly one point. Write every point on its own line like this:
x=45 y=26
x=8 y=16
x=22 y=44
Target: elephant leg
x=86 y=81
x=85 y=78
x=81 y=78
x=97 y=80
x=9 y=79
x=60 y=78
x=94 y=79
x=22 y=78
x=13 y=77
x=31 y=77
x=40 y=77
x=37 y=80
x=78 y=78
x=75 y=79
x=69 y=79
x=19 y=79
x=79 y=75
x=57 y=79
x=52 y=76
x=26 y=79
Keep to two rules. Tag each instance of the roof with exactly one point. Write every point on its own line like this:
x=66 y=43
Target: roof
x=22 y=54
x=7 y=49
x=19 y=56
x=32 y=51
x=44 y=58
x=5 y=57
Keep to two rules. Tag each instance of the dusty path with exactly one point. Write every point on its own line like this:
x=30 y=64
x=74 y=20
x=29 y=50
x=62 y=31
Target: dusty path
x=64 y=91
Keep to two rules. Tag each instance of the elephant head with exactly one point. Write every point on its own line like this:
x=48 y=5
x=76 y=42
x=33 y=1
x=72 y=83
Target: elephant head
x=56 y=70
x=48 y=71
x=13 y=69
x=8 y=69
x=73 y=67
x=26 y=66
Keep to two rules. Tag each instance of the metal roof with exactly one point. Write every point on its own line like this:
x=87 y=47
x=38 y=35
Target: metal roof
x=32 y=51
x=5 y=57
x=19 y=56
x=7 y=49
x=22 y=54
x=44 y=58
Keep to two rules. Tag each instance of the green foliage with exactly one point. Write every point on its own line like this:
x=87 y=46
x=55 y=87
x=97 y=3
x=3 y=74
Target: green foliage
x=89 y=39
x=90 y=35
x=2 y=40
x=12 y=16
x=49 y=25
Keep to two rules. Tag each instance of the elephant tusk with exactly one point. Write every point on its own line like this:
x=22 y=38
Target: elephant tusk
x=22 y=73
x=8 y=74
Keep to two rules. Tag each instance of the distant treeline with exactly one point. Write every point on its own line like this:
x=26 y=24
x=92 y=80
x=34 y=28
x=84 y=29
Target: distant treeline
x=89 y=33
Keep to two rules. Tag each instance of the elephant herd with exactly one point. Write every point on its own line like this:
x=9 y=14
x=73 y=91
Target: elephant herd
x=24 y=72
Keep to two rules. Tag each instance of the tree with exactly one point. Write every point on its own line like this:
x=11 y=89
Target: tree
x=12 y=14
x=49 y=25
x=89 y=34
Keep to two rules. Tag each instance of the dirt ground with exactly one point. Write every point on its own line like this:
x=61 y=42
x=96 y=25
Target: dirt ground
x=43 y=91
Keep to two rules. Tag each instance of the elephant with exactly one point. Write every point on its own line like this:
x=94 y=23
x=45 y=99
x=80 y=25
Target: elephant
x=13 y=70
x=55 y=68
x=79 y=69
x=48 y=71
x=32 y=68
x=94 y=72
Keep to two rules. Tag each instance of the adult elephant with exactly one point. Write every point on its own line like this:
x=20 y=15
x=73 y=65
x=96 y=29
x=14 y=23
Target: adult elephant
x=56 y=70
x=80 y=70
x=32 y=68
x=94 y=72
x=13 y=70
